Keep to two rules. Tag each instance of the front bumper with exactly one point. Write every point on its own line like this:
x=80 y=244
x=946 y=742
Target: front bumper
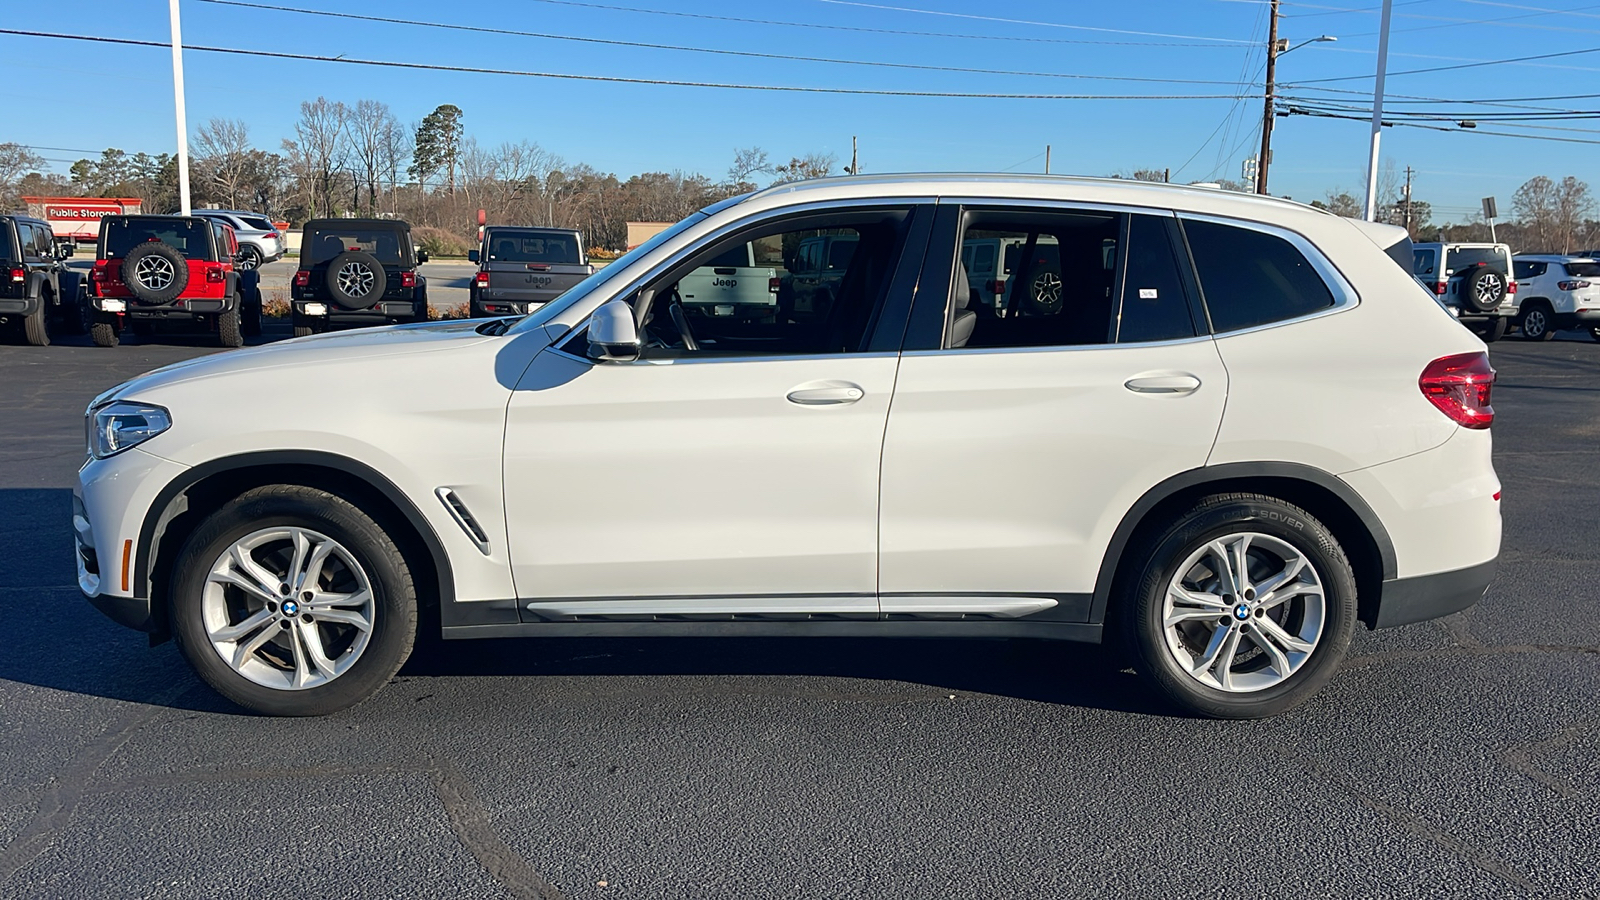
x=109 y=506
x=1408 y=600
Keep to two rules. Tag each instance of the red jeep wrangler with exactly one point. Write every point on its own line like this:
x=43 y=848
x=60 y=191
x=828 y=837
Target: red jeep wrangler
x=170 y=272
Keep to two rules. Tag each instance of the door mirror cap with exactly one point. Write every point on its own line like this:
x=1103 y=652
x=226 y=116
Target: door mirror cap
x=472 y=256
x=612 y=334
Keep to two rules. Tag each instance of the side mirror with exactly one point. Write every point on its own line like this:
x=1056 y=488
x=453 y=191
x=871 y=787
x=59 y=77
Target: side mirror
x=65 y=249
x=472 y=256
x=612 y=334
x=422 y=257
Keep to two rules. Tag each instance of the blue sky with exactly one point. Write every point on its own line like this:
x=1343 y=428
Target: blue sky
x=125 y=99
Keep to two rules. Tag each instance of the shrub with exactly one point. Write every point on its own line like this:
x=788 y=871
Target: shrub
x=275 y=308
x=439 y=242
x=459 y=311
x=602 y=253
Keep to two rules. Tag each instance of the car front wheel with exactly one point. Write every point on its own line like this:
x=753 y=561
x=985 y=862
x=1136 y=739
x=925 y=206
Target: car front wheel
x=1242 y=608
x=1536 y=324
x=291 y=601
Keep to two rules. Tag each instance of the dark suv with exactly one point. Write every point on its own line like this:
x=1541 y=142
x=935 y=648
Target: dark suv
x=357 y=272
x=35 y=287
x=169 y=273
x=521 y=269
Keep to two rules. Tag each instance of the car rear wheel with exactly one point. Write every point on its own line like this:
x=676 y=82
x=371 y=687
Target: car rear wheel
x=1536 y=324
x=76 y=316
x=1242 y=607
x=35 y=330
x=291 y=601
x=249 y=259
x=105 y=334
x=230 y=332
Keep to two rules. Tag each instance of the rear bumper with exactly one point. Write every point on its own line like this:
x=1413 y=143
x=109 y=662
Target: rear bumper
x=1408 y=600
x=19 y=306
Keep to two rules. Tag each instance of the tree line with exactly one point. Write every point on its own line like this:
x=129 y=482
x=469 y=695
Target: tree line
x=359 y=159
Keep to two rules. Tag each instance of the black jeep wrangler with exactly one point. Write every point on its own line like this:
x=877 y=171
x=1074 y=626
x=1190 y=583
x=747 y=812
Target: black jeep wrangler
x=357 y=272
x=36 y=288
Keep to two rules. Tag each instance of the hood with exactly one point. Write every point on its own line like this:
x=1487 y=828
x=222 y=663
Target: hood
x=343 y=348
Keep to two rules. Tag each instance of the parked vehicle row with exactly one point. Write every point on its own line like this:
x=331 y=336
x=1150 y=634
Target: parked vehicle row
x=356 y=272
x=37 y=291
x=1493 y=291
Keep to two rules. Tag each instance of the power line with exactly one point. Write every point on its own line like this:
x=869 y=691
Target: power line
x=863 y=29
x=744 y=53
x=616 y=79
x=1528 y=137
x=1564 y=12
x=1474 y=65
x=1030 y=22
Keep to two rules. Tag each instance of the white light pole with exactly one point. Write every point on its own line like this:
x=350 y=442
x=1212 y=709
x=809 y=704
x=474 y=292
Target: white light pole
x=177 y=103
x=1377 y=113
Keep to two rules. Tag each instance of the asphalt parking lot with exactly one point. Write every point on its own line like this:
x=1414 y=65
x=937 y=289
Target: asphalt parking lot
x=1457 y=758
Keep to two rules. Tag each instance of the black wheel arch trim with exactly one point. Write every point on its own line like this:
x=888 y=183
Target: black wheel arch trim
x=1194 y=478
x=156 y=517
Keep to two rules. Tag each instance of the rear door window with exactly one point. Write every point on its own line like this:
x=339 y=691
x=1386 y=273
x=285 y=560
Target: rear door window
x=1155 y=303
x=1524 y=269
x=1251 y=278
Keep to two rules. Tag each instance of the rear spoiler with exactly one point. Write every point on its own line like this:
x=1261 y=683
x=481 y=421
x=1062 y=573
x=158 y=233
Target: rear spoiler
x=1392 y=239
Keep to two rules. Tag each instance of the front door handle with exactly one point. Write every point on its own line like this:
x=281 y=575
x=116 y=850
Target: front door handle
x=1172 y=383
x=834 y=393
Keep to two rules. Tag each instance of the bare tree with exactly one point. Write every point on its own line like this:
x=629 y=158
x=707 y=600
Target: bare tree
x=222 y=158
x=320 y=144
x=371 y=128
x=799 y=168
x=16 y=161
x=748 y=162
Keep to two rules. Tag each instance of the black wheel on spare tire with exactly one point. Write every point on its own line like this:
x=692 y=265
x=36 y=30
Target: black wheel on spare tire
x=76 y=316
x=155 y=272
x=356 y=279
x=291 y=601
x=1536 y=321
x=105 y=334
x=1483 y=289
x=1241 y=608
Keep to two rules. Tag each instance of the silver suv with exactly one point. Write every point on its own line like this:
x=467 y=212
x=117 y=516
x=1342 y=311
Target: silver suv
x=259 y=240
x=1473 y=281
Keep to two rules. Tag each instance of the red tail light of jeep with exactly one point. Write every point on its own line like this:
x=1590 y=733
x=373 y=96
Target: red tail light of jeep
x=19 y=274
x=408 y=279
x=302 y=278
x=215 y=275
x=482 y=279
x=1459 y=386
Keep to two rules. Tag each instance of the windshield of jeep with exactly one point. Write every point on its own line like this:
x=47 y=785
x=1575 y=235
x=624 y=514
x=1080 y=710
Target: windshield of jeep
x=187 y=236
x=533 y=247
x=389 y=245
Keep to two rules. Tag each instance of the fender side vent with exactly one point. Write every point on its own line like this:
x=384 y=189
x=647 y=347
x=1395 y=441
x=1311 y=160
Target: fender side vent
x=463 y=517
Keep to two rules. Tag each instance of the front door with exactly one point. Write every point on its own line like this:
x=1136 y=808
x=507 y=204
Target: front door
x=1009 y=459
x=730 y=471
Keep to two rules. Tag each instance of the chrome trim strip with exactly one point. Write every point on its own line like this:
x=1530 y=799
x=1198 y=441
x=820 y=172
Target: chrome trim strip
x=940 y=605
x=828 y=604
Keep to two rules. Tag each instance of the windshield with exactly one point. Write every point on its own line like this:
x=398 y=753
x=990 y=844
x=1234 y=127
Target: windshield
x=587 y=286
x=390 y=246
x=533 y=247
x=1584 y=269
x=187 y=236
x=1467 y=257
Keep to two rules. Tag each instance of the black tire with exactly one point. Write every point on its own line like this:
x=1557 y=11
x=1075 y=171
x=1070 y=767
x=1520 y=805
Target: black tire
x=230 y=331
x=1483 y=289
x=250 y=312
x=36 y=328
x=364 y=270
x=105 y=334
x=167 y=281
x=394 y=614
x=1493 y=330
x=304 y=331
x=76 y=316
x=1143 y=594
x=419 y=303
x=249 y=259
x=1536 y=321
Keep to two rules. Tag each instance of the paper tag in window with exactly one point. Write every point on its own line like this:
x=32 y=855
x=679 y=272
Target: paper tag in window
x=1147 y=293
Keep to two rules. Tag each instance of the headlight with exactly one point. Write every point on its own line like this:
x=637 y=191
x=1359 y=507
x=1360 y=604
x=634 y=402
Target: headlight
x=119 y=425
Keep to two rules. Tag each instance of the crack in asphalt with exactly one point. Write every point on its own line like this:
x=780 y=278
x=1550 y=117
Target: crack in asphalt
x=1519 y=757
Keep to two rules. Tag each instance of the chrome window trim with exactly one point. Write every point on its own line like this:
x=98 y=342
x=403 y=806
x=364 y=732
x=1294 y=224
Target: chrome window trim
x=1344 y=293
x=1056 y=205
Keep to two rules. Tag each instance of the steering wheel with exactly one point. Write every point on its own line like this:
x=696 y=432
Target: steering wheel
x=681 y=320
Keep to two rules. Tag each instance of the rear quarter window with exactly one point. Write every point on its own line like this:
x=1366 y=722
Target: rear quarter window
x=1251 y=278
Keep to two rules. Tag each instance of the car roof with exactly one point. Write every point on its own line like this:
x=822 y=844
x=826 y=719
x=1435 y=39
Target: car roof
x=396 y=224
x=529 y=228
x=1553 y=257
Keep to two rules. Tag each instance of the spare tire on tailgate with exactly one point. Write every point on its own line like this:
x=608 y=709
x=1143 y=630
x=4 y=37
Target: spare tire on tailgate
x=155 y=272
x=356 y=279
x=1483 y=288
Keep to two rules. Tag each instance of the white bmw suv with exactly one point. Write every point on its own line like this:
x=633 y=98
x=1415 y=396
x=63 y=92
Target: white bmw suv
x=1243 y=430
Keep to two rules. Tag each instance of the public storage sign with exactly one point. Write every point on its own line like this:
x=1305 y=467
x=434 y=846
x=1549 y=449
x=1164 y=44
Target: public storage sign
x=79 y=217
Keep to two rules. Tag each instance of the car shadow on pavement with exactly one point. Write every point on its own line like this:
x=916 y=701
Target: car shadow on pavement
x=62 y=643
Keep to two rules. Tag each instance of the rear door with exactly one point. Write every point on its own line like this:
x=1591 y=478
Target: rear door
x=1009 y=461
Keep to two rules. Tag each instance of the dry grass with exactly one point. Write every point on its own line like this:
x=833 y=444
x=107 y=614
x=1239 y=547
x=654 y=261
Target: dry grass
x=459 y=311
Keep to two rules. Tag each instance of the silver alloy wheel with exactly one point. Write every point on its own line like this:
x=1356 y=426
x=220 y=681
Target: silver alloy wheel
x=248 y=259
x=154 y=272
x=1534 y=323
x=1244 y=612
x=1489 y=291
x=355 y=279
x=1047 y=289
x=288 y=608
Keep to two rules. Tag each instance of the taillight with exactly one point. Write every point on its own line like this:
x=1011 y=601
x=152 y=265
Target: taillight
x=1459 y=386
x=1511 y=287
x=408 y=279
x=19 y=274
x=302 y=278
x=272 y=234
x=1440 y=288
x=98 y=273
x=483 y=279
x=774 y=285
x=1571 y=285
x=995 y=287
x=215 y=275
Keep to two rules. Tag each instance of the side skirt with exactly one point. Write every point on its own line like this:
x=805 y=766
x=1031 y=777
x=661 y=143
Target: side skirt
x=966 y=629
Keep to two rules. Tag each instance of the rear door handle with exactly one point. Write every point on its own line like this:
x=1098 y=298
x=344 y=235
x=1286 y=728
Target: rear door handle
x=835 y=393
x=1177 y=383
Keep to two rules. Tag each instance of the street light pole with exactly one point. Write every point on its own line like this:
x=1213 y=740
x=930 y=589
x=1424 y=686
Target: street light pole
x=177 y=102
x=1265 y=159
x=1377 y=113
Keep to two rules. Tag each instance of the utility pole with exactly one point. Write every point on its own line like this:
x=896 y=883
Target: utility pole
x=1408 y=199
x=855 y=167
x=1377 y=112
x=1047 y=159
x=1266 y=115
x=177 y=102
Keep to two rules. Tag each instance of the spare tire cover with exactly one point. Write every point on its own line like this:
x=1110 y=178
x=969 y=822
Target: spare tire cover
x=155 y=272
x=1483 y=289
x=356 y=279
